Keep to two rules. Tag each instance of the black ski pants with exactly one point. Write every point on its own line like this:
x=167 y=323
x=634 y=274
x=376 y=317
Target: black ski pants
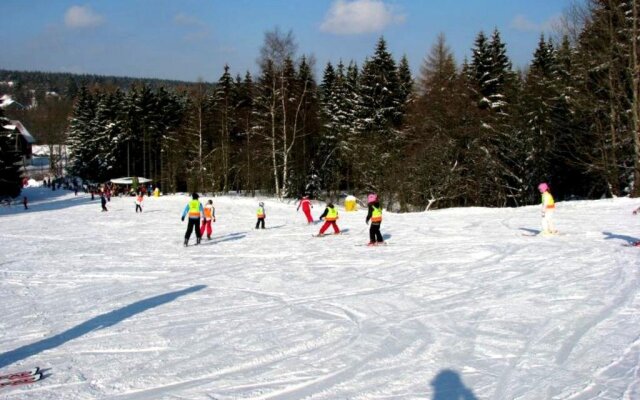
x=193 y=223
x=374 y=233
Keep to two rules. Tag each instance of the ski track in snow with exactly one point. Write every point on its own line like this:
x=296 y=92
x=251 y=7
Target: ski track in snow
x=462 y=302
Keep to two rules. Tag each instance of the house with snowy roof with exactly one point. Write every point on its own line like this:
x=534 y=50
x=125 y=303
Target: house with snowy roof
x=7 y=102
x=23 y=139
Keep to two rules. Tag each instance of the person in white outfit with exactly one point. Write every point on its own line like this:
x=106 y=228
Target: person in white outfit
x=548 y=209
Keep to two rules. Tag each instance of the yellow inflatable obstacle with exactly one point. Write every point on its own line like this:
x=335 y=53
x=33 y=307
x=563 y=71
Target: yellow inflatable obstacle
x=350 y=203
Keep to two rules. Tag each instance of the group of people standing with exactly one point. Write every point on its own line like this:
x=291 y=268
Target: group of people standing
x=196 y=211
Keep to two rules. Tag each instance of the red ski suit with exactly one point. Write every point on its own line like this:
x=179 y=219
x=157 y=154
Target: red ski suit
x=306 y=209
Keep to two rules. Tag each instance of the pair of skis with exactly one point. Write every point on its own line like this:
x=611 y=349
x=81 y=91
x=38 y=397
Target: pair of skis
x=20 y=378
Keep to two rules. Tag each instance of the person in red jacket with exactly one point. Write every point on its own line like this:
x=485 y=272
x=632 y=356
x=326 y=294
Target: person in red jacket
x=306 y=205
x=139 y=200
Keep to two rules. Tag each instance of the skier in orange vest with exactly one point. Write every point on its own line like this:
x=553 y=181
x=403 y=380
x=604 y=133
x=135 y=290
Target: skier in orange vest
x=209 y=216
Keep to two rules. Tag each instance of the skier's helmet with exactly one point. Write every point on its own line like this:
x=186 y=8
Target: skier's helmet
x=543 y=187
x=194 y=196
x=372 y=198
x=261 y=204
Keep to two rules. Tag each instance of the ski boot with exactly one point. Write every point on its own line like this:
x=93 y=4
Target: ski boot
x=198 y=240
x=186 y=242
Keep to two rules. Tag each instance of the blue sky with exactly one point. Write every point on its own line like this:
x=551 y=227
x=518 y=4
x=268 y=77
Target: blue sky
x=193 y=39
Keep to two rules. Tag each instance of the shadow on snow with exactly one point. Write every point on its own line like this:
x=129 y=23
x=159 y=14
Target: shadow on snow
x=100 y=322
x=628 y=239
x=447 y=385
x=43 y=199
x=226 y=238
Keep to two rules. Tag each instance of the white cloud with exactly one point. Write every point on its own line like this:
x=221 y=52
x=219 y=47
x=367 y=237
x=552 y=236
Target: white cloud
x=198 y=29
x=521 y=23
x=82 y=17
x=359 y=16
x=187 y=20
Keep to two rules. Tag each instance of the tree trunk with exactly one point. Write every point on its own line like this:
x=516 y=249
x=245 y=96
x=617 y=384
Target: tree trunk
x=635 y=70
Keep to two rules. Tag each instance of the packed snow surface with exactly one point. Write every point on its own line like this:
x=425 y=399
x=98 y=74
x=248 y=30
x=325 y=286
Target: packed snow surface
x=461 y=304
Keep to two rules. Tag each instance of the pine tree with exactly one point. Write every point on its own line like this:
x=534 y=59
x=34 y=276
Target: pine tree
x=81 y=149
x=106 y=130
x=224 y=118
x=246 y=127
x=379 y=114
x=308 y=125
x=539 y=98
x=494 y=84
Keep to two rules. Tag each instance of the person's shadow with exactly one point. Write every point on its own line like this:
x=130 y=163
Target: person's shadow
x=628 y=239
x=99 y=322
x=447 y=385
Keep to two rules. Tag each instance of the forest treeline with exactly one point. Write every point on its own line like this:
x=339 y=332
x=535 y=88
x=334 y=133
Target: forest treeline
x=470 y=133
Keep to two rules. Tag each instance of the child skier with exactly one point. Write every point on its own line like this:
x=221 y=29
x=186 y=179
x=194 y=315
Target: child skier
x=103 y=201
x=209 y=216
x=194 y=209
x=330 y=216
x=548 y=209
x=261 y=215
x=306 y=208
x=139 y=200
x=635 y=212
x=375 y=216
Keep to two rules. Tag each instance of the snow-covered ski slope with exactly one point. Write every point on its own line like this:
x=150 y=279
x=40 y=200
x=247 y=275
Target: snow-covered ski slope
x=461 y=304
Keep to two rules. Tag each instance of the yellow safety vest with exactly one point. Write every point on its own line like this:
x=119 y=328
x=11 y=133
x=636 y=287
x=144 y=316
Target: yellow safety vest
x=547 y=201
x=194 y=209
x=260 y=212
x=376 y=215
x=332 y=215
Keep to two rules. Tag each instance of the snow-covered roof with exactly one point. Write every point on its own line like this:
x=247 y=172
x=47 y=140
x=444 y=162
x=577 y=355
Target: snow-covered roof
x=129 y=180
x=23 y=131
x=6 y=101
x=44 y=150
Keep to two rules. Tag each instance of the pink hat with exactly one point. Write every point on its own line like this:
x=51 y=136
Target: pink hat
x=372 y=198
x=543 y=187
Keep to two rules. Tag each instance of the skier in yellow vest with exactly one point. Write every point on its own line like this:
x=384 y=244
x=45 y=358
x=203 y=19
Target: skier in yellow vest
x=548 y=209
x=209 y=216
x=375 y=216
x=194 y=209
x=261 y=215
x=330 y=216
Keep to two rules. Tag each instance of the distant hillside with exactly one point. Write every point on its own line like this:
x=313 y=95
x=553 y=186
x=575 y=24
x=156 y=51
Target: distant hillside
x=67 y=84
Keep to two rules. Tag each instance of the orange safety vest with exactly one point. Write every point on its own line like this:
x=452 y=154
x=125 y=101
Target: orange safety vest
x=260 y=212
x=208 y=211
